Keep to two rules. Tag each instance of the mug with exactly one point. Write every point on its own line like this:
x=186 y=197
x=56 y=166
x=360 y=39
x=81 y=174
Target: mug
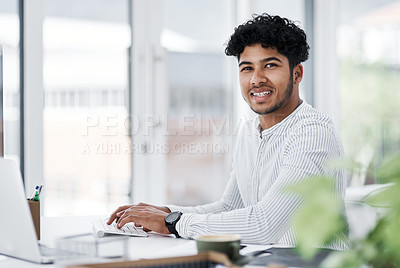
x=228 y=244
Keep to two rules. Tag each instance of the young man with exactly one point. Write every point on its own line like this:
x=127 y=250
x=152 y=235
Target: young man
x=287 y=142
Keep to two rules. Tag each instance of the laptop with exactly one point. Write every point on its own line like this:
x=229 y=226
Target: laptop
x=17 y=232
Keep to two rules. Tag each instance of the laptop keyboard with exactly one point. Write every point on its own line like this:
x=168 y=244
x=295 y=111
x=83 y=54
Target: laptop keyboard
x=47 y=251
x=62 y=253
x=101 y=227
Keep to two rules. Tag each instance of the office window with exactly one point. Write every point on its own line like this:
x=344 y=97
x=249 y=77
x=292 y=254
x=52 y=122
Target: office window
x=291 y=9
x=369 y=77
x=204 y=93
x=85 y=76
x=200 y=99
x=9 y=39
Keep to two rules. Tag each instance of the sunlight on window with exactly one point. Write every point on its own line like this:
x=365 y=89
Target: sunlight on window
x=369 y=58
x=86 y=84
x=9 y=39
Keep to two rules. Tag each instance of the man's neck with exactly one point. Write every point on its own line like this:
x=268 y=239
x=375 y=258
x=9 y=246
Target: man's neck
x=269 y=120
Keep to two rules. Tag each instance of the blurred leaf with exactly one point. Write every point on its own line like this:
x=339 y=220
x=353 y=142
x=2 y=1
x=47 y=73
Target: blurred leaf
x=385 y=236
x=368 y=251
x=381 y=198
x=389 y=171
x=318 y=221
x=392 y=234
x=349 y=259
x=347 y=164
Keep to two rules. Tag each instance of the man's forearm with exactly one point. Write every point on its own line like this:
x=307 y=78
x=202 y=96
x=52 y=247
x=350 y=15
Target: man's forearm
x=216 y=207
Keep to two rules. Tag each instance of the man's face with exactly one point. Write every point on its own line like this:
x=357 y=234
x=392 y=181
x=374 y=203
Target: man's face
x=266 y=80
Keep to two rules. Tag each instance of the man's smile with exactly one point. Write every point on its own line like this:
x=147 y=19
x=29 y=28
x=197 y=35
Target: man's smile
x=261 y=94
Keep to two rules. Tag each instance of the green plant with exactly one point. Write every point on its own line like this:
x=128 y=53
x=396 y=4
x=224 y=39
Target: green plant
x=379 y=248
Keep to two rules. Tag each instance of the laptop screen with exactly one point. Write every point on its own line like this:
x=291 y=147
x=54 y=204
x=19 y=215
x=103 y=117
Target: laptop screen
x=17 y=233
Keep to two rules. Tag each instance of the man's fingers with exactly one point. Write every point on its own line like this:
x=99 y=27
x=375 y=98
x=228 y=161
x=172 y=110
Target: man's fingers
x=151 y=218
x=123 y=214
x=115 y=215
x=146 y=230
x=124 y=220
x=111 y=219
x=120 y=215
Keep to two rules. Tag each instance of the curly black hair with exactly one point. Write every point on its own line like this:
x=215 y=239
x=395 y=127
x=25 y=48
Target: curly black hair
x=270 y=31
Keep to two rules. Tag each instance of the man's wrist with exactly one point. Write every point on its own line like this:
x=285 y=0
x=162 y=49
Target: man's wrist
x=171 y=220
x=166 y=209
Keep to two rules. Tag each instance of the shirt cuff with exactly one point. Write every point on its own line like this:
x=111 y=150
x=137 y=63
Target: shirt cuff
x=179 y=208
x=172 y=208
x=183 y=224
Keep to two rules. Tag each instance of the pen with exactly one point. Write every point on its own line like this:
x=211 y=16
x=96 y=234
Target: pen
x=36 y=198
x=40 y=188
x=34 y=192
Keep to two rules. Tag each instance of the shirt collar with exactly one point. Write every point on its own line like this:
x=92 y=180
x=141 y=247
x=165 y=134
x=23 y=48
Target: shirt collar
x=268 y=131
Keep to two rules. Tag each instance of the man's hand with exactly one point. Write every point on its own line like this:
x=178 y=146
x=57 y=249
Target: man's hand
x=152 y=218
x=114 y=215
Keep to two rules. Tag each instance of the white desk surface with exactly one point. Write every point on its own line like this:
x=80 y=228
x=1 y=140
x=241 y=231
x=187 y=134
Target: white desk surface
x=154 y=246
x=56 y=227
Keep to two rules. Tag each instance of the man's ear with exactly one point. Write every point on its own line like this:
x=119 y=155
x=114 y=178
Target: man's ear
x=297 y=74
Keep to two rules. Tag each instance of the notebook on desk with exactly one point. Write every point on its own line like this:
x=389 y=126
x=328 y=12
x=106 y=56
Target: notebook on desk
x=17 y=232
x=287 y=257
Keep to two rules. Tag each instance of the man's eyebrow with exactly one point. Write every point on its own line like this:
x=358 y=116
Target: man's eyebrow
x=244 y=62
x=264 y=60
x=271 y=59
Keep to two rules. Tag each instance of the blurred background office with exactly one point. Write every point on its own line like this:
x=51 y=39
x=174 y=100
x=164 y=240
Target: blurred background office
x=113 y=102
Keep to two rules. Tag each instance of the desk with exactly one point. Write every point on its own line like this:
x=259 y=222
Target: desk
x=154 y=246
x=55 y=227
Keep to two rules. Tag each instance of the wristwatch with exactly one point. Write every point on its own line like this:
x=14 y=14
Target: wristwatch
x=170 y=221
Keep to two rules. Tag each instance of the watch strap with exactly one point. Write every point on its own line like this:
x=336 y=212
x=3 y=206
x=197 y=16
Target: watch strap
x=172 y=225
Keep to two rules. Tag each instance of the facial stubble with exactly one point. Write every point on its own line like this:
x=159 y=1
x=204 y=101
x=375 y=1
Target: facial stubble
x=277 y=106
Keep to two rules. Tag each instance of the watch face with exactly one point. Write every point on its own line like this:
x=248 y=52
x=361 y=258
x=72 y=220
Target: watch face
x=172 y=217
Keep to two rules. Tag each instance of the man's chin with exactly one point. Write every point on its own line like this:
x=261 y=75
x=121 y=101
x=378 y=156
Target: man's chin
x=264 y=111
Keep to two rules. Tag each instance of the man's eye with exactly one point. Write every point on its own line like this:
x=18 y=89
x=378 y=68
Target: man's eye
x=247 y=68
x=269 y=65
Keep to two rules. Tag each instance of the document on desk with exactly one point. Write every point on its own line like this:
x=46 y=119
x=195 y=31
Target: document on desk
x=250 y=248
x=287 y=257
x=185 y=249
x=3 y=258
x=189 y=248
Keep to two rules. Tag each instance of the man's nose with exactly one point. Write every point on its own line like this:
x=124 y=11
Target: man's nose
x=258 y=77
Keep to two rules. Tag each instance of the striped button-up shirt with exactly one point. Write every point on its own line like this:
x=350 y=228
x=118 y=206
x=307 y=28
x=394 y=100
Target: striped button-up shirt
x=253 y=204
